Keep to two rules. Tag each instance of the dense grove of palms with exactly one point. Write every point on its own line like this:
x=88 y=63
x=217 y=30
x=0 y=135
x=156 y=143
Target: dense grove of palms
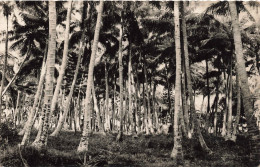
x=132 y=68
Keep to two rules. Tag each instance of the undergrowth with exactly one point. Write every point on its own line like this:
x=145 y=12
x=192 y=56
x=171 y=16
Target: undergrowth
x=141 y=151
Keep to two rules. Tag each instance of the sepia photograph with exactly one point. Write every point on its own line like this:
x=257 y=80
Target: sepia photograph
x=110 y=83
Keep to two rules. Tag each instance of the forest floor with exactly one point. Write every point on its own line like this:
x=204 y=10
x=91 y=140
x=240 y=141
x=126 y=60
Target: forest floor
x=142 y=151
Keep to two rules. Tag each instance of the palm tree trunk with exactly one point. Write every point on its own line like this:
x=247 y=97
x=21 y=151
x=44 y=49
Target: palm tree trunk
x=233 y=138
x=207 y=121
x=29 y=124
x=83 y=145
x=147 y=92
x=177 y=149
x=252 y=128
x=64 y=59
x=155 y=112
x=216 y=107
x=49 y=75
x=130 y=109
x=145 y=117
x=196 y=121
x=168 y=93
x=77 y=111
x=224 y=129
x=184 y=108
x=16 y=111
x=100 y=125
x=184 y=102
x=138 y=103
x=113 y=104
x=37 y=98
x=4 y=68
x=229 y=120
x=16 y=74
x=121 y=94
x=107 y=115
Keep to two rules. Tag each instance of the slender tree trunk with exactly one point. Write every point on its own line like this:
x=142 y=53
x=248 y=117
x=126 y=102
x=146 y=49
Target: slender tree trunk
x=149 y=120
x=184 y=102
x=107 y=115
x=113 y=105
x=130 y=89
x=196 y=120
x=224 y=129
x=81 y=51
x=16 y=74
x=169 y=94
x=233 y=138
x=100 y=125
x=177 y=149
x=155 y=112
x=83 y=145
x=29 y=123
x=121 y=94
x=207 y=121
x=184 y=108
x=248 y=107
x=138 y=103
x=4 y=68
x=77 y=111
x=17 y=110
x=216 y=107
x=145 y=122
x=229 y=119
x=37 y=98
x=49 y=75
x=64 y=59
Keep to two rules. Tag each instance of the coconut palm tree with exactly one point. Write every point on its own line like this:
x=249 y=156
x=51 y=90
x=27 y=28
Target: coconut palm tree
x=49 y=76
x=6 y=8
x=120 y=50
x=64 y=59
x=81 y=51
x=241 y=70
x=83 y=145
x=177 y=149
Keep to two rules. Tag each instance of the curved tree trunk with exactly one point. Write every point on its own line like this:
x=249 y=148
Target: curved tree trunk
x=29 y=124
x=252 y=127
x=49 y=76
x=177 y=149
x=37 y=95
x=196 y=121
x=16 y=74
x=83 y=145
x=4 y=68
x=64 y=59
x=68 y=99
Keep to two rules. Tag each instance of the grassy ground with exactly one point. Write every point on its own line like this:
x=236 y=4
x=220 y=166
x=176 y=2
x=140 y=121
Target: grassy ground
x=141 y=151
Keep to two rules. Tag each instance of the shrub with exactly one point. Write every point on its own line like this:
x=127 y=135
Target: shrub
x=7 y=135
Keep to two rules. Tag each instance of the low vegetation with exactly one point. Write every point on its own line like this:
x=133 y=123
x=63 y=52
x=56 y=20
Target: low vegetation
x=144 y=150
